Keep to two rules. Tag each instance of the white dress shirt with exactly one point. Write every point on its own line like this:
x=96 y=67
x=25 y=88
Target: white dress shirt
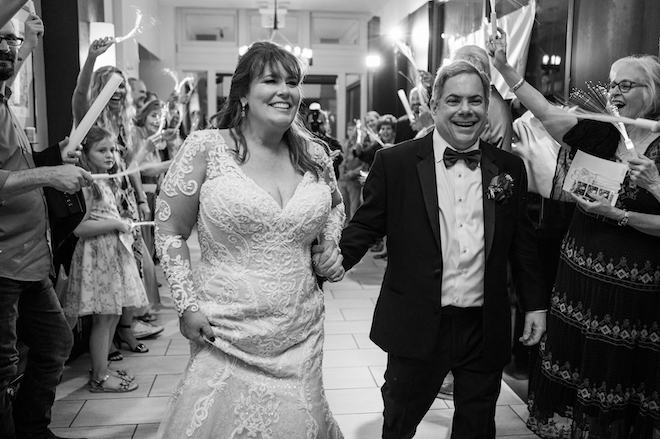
x=460 y=201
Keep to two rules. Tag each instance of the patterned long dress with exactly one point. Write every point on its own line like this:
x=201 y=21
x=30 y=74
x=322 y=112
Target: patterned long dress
x=600 y=357
x=261 y=377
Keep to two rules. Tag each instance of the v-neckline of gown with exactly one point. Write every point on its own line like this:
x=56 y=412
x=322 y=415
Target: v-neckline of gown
x=265 y=192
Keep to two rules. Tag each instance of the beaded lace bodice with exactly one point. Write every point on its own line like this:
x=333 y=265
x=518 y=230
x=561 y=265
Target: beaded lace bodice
x=245 y=237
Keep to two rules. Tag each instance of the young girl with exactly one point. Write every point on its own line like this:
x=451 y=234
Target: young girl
x=104 y=277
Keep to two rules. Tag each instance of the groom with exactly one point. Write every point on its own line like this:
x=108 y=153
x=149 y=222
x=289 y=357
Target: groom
x=454 y=211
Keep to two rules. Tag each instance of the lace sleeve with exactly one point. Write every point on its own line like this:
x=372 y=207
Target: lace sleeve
x=176 y=215
x=335 y=223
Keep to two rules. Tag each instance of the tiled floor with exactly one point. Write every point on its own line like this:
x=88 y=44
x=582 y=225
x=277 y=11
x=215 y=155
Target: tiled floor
x=353 y=374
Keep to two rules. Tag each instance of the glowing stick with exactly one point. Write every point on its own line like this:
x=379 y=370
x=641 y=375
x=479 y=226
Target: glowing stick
x=129 y=171
x=163 y=119
x=374 y=136
x=135 y=30
x=94 y=111
x=406 y=104
x=143 y=223
x=493 y=24
x=493 y=20
x=358 y=127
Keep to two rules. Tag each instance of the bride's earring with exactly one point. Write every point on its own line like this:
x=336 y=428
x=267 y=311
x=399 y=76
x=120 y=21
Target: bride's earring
x=243 y=110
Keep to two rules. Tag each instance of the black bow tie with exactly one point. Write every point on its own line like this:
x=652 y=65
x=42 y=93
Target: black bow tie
x=471 y=158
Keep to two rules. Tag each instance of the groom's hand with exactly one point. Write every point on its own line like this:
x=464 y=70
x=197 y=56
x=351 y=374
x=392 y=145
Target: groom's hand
x=534 y=328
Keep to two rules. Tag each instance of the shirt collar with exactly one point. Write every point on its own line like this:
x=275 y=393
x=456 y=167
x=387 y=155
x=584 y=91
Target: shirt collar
x=6 y=96
x=440 y=144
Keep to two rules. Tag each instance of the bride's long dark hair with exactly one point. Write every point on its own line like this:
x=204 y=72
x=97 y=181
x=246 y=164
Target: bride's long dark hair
x=252 y=65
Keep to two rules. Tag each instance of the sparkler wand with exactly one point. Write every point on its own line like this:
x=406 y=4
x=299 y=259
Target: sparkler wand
x=136 y=29
x=595 y=99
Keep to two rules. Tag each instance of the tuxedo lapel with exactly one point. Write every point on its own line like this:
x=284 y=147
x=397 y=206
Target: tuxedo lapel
x=488 y=171
x=426 y=172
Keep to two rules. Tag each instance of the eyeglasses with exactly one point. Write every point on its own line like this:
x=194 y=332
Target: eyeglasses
x=12 y=41
x=624 y=86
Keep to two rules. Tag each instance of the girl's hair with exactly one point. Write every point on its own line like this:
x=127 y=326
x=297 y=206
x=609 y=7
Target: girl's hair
x=252 y=65
x=94 y=136
x=649 y=66
x=150 y=105
x=120 y=124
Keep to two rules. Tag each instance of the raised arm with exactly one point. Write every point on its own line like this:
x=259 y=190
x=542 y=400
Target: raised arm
x=9 y=8
x=34 y=30
x=80 y=100
x=176 y=214
x=555 y=120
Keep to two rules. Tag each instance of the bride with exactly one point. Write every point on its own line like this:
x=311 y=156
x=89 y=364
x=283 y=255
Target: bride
x=260 y=190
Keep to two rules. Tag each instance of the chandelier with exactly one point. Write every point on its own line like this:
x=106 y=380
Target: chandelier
x=303 y=53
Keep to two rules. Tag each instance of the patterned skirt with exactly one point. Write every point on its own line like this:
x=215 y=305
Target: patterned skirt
x=598 y=374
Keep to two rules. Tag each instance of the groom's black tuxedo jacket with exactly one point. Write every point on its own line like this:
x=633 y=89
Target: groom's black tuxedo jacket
x=400 y=201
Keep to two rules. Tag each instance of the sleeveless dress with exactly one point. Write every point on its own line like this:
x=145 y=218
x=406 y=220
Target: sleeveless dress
x=104 y=277
x=600 y=357
x=261 y=377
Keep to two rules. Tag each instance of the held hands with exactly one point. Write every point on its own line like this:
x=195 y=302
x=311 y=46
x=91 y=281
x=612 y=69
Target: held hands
x=534 y=328
x=327 y=260
x=98 y=47
x=195 y=326
x=644 y=172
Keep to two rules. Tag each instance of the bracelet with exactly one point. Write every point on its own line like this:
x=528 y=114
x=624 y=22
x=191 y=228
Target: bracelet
x=624 y=221
x=518 y=85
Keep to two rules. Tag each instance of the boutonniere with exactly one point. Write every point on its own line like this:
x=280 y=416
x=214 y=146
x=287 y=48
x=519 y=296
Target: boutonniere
x=500 y=188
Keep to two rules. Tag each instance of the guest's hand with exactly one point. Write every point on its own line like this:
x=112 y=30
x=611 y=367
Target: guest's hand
x=71 y=157
x=34 y=29
x=99 y=46
x=596 y=204
x=66 y=178
x=327 y=261
x=144 y=211
x=496 y=48
x=123 y=225
x=534 y=328
x=195 y=326
x=644 y=172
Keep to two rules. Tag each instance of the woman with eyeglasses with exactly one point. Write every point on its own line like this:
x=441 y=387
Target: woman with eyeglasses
x=598 y=374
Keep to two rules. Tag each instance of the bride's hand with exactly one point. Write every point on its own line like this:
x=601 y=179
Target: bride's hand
x=195 y=326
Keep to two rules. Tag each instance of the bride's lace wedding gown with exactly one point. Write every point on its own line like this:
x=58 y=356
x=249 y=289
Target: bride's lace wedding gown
x=261 y=377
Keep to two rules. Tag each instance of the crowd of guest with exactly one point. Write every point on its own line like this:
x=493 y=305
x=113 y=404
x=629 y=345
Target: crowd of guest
x=100 y=198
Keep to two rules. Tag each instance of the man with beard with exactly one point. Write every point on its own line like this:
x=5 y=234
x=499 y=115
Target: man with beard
x=138 y=92
x=25 y=260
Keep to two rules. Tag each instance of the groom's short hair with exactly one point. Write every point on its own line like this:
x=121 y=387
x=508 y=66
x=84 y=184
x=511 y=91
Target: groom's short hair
x=456 y=68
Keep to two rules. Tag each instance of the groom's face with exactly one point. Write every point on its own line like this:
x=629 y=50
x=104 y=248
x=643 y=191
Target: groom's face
x=460 y=112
